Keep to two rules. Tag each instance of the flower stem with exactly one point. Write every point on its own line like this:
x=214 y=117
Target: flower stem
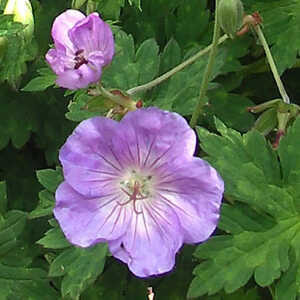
x=279 y=83
x=167 y=75
x=208 y=70
x=125 y=102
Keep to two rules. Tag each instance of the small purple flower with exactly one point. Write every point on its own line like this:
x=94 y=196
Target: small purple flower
x=83 y=45
x=136 y=185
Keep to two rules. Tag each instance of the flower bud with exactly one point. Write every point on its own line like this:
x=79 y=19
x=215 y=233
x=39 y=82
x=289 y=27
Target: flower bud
x=22 y=11
x=230 y=13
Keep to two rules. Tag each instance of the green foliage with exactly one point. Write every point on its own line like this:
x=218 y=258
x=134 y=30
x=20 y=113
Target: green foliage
x=54 y=238
x=40 y=83
x=17 y=279
x=280 y=19
x=180 y=92
x=130 y=68
x=80 y=268
x=50 y=179
x=15 y=51
x=251 y=172
x=3 y=197
x=256 y=248
x=78 y=107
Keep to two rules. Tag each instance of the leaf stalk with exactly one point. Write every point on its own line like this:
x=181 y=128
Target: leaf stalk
x=167 y=75
x=208 y=70
x=272 y=64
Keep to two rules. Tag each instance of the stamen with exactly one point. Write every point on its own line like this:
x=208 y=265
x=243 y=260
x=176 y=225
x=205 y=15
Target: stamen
x=136 y=195
x=79 y=59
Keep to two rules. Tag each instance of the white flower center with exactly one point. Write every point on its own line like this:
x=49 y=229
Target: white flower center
x=136 y=186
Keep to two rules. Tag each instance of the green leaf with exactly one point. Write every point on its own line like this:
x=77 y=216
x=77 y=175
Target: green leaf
x=47 y=78
x=3 y=197
x=182 y=98
x=77 y=108
x=50 y=178
x=10 y=229
x=233 y=260
x=80 y=268
x=19 y=117
x=192 y=21
x=45 y=205
x=16 y=54
x=25 y=283
x=55 y=239
x=240 y=217
x=289 y=152
x=129 y=69
x=170 y=57
x=110 y=9
x=263 y=220
x=231 y=109
x=281 y=30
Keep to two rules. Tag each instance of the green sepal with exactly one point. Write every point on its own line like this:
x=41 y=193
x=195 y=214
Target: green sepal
x=267 y=121
x=261 y=107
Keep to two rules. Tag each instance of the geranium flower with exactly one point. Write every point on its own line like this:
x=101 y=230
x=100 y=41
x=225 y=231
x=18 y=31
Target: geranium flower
x=136 y=185
x=82 y=46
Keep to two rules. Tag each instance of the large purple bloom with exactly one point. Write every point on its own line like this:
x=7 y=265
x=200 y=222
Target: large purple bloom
x=82 y=46
x=136 y=185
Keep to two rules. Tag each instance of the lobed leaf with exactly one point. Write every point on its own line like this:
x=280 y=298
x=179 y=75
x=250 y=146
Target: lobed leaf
x=50 y=178
x=263 y=219
x=80 y=267
x=129 y=68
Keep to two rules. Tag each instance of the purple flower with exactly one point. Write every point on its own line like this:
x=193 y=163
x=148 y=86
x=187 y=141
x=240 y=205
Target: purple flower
x=136 y=185
x=83 y=45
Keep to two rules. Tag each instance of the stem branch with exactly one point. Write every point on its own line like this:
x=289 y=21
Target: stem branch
x=131 y=105
x=178 y=68
x=208 y=70
x=279 y=83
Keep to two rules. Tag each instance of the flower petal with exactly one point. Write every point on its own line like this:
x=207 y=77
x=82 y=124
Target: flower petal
x=151 y=241
x=92 y=34
x=57 y=58
x=62 y=24
x=156 y=137
x=87 y=221
x=194 y=190
x=78 y=78
x=89 y=161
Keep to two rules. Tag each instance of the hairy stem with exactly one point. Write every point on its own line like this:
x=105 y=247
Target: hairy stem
x=208 y=70
x=167 y=75
x=269 y=56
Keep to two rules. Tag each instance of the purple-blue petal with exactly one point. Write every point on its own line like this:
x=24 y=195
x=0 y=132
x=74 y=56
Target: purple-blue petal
x=151 y=241
x=78 y=78
x=62 y=24
x=156 y=138
x=87 y=221
x=92 y=34
x=89 y=162
x=194 y=190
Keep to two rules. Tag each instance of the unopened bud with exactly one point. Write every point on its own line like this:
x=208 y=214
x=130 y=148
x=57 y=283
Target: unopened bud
x=22 y=12
x=231 y=13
